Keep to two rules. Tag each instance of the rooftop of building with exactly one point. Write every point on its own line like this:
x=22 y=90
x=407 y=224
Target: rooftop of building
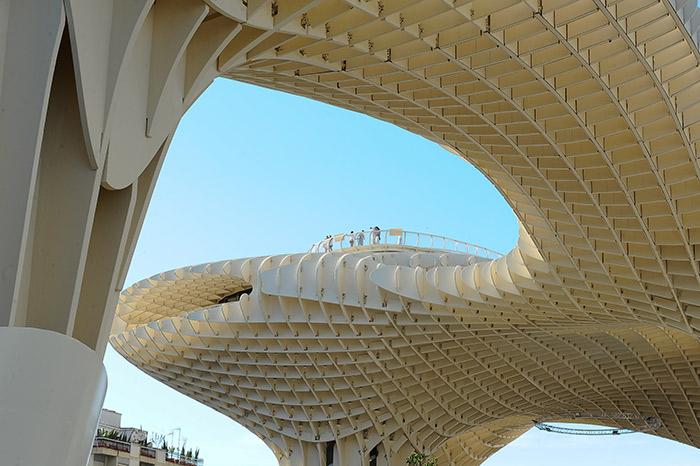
x=112 y=437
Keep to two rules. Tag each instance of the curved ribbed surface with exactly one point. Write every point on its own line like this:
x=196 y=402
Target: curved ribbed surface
x=586 y=116
x=406 y=348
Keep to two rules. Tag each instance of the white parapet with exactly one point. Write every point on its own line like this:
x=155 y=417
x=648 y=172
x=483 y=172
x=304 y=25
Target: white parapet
x=51 y=390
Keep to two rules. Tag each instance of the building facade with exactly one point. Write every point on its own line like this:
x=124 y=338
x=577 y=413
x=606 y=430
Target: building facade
x=115 y=445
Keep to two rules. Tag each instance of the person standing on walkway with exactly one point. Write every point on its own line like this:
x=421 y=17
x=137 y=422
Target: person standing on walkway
x=376 y=235
x=361 y=238
x=352 y=238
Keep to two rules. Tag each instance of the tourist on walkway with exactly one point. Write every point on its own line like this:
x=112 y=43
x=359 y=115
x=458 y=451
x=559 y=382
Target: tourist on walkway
x=361 y=238
x=352 y=238
x=376 y=235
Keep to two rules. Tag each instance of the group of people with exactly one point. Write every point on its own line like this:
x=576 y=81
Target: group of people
x=354 y=239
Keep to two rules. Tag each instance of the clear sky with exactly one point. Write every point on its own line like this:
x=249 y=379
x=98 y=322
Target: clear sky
x=257 y=172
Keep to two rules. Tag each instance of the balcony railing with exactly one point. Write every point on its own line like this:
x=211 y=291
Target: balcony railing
x=176 y=458
x=103 y=442
x=400 y=239
x=150 y=452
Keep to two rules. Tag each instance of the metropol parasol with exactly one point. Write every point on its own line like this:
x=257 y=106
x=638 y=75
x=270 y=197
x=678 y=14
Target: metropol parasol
x=585 y=114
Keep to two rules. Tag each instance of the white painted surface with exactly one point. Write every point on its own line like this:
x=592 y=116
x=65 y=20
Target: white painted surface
x=51 y=391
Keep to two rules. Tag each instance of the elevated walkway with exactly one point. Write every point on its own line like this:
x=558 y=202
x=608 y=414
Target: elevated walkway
x=391 y=239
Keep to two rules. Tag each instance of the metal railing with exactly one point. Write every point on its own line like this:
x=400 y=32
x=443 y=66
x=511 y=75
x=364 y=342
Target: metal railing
x=150 y=452
x=399 y=238
x=118 y=445
x=177 y=458
x=582 y=431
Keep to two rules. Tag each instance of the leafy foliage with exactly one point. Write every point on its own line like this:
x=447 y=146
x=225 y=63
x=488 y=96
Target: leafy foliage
x=420 y=459
x=155 y=441
x=112 y=435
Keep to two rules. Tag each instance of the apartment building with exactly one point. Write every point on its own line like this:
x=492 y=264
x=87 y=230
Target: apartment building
x=116 y=445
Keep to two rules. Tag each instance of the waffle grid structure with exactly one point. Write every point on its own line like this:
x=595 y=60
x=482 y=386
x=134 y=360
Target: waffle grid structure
x=402 y=349
x=585 y=114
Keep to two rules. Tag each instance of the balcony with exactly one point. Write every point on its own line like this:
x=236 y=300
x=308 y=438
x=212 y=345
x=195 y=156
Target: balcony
x=148 y=452
x=111 y=444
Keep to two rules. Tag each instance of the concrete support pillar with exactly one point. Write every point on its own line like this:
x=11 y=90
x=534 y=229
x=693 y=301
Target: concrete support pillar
x=51 y=390
x=29 y=45
x=383 y=456
x=305 y=454
x=397 y=454
x=90 y=95
x=350 y=453
x=134 y=453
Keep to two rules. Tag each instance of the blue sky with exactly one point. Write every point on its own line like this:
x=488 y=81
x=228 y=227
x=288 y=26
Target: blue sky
x=257 y=172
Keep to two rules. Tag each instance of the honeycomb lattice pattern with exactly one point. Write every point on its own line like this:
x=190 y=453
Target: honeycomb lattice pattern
x=586 y=116
x=402 y=350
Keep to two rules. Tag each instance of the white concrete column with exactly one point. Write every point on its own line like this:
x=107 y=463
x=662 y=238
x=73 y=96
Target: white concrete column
x=51 y=391
x=134 y=453
x=349 y=453
x=305 y=454
x=383 y=459
x=398 y=452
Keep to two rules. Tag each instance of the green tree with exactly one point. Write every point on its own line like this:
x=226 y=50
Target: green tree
x=420 y=459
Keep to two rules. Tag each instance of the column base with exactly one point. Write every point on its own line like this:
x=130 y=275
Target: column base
x=51 y=391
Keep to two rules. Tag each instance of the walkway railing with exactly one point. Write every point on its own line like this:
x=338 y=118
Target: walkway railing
x=397 y=237
x=581 y=431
